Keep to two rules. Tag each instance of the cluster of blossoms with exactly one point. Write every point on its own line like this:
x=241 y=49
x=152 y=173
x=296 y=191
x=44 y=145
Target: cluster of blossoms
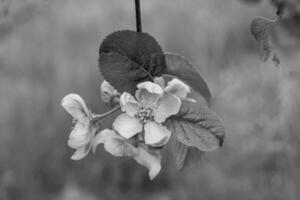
x=138 y=127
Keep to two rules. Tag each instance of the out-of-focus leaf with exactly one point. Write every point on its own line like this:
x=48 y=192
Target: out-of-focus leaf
x=276 y=60
x=127 y=58
x=252 y=1
x=149 y=160
x=180 y=67
x=260 y=28
x=197 y=126
x=114 y=144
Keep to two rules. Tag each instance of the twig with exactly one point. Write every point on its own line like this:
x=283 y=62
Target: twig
x=138 y=16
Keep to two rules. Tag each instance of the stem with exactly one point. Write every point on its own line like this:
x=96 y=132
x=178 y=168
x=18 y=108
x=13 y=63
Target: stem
x=138 y=16
x=98 y=117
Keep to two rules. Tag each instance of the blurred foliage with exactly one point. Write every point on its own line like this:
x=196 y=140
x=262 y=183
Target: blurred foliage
x=50 y=48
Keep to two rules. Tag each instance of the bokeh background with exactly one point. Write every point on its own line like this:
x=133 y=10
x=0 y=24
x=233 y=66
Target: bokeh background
x=49 y=48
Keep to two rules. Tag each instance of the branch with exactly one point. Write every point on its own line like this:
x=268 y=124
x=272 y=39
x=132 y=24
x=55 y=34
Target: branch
x=138 y=16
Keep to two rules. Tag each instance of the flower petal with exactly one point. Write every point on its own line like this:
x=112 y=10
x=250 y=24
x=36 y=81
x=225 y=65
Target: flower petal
x=81 y=153
x=76 y=107
x=128 y=104
x=150 y=161
x=114 y=144
x=127 y=126
x=100 y=138
x=150 y=87
x=178 y=88
x=80 y=136
x=168 y=105
x=147 y=99
x=148 y=94
x=156 y=134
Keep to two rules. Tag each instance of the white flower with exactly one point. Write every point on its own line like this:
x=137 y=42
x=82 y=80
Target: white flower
x=83 y=132
x=119 y=146
x=151 y=107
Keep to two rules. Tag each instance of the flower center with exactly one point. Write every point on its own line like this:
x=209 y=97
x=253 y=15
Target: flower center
x=144 y=114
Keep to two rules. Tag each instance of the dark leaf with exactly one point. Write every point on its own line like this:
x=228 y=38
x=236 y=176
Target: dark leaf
x=127 y=58
x=180 y=67
x=121 y=72
x=197 y=126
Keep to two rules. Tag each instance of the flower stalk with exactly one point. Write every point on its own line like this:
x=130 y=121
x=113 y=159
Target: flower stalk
x=98 y=117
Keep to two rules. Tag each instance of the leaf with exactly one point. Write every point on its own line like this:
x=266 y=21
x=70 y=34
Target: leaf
x=260 y=28
x=252 y=1
x=114 y=144
x=193 y=157
x=197 y=126
x=186 y=156
x=127 y=58
x=180 y=153
x=180 y=67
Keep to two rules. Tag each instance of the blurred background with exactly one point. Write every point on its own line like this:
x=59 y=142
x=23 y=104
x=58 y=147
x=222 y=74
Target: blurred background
x=49 y=48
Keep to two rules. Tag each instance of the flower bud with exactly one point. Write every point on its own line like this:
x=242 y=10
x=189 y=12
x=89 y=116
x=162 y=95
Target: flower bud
x=109 y=94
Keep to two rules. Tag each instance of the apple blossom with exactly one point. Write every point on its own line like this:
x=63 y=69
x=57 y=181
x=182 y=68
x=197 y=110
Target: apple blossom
x=83 y=132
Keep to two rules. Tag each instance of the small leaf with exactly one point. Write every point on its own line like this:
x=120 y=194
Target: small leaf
x=197 y=126
x=128 y=58
x=186 y=156
x=180 y=67
x=260 y=28
x=114 y=144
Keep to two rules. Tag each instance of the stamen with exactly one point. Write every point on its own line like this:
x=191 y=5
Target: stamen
x=144 y=114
